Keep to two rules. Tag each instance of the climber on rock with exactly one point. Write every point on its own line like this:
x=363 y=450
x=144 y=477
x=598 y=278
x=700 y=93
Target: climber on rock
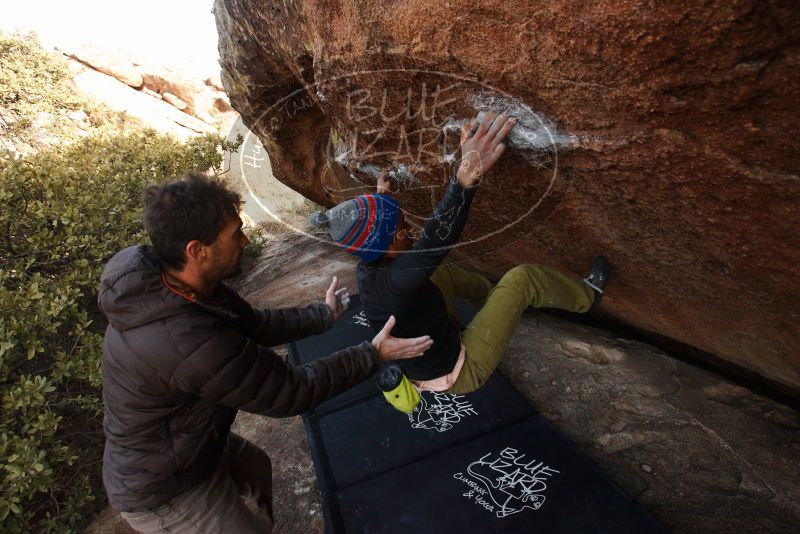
x=409 y=280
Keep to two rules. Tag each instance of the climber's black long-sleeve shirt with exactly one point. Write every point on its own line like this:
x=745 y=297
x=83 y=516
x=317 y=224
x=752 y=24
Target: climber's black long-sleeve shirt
x=402 y=287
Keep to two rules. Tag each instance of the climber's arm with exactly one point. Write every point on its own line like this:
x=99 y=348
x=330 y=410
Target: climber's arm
x=480 y=149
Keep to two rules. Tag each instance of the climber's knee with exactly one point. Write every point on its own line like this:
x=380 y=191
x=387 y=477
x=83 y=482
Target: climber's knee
x=520 y=277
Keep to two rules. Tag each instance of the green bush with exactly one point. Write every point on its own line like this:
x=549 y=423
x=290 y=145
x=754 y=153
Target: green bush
x=65 y=211
x=31 y=78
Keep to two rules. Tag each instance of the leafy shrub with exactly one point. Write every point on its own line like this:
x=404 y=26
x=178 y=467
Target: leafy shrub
x=65 y=211
x=28 y=78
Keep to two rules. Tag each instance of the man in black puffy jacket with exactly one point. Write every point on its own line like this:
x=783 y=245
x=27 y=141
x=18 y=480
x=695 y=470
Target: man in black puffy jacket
x=183 y=352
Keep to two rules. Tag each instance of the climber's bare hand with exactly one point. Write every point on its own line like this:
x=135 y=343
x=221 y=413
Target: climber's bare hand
x=481 y=149
x=385 y=184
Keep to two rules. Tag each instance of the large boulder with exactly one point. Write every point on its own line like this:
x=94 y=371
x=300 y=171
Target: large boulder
x=661 y=134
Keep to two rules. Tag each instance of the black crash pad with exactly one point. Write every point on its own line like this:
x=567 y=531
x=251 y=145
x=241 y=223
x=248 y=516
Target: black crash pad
x=371 y=437
x=482 y=462
x=526 y=477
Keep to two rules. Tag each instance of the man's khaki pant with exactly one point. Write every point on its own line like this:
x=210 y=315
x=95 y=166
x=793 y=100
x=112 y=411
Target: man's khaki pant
x=221 y=502
x=488 y=334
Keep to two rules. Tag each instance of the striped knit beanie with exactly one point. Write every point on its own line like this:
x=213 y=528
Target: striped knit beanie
x=363 y=226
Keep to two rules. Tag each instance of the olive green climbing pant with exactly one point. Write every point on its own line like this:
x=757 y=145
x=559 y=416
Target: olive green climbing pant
x=488 y=334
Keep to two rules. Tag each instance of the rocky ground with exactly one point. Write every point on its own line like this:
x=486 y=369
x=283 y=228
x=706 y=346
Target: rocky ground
x=702 y=453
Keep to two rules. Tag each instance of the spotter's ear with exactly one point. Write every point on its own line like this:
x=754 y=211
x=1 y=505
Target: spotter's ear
x=195 y=250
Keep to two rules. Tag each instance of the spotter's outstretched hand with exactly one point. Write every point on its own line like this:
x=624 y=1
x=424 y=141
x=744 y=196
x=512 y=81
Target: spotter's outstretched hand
x=395 y=348
x=337 y=299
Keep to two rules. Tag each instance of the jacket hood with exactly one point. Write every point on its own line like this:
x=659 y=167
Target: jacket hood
x=132 y=292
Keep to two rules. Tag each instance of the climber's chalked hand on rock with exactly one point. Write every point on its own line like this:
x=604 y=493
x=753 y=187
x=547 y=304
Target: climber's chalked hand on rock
x=482 y=147
x=385 y=184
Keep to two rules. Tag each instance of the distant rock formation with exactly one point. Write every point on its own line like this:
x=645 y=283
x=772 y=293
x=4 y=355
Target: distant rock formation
x=202 y=99
x=107 y=62
x=152 y=112
x=663 y=135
